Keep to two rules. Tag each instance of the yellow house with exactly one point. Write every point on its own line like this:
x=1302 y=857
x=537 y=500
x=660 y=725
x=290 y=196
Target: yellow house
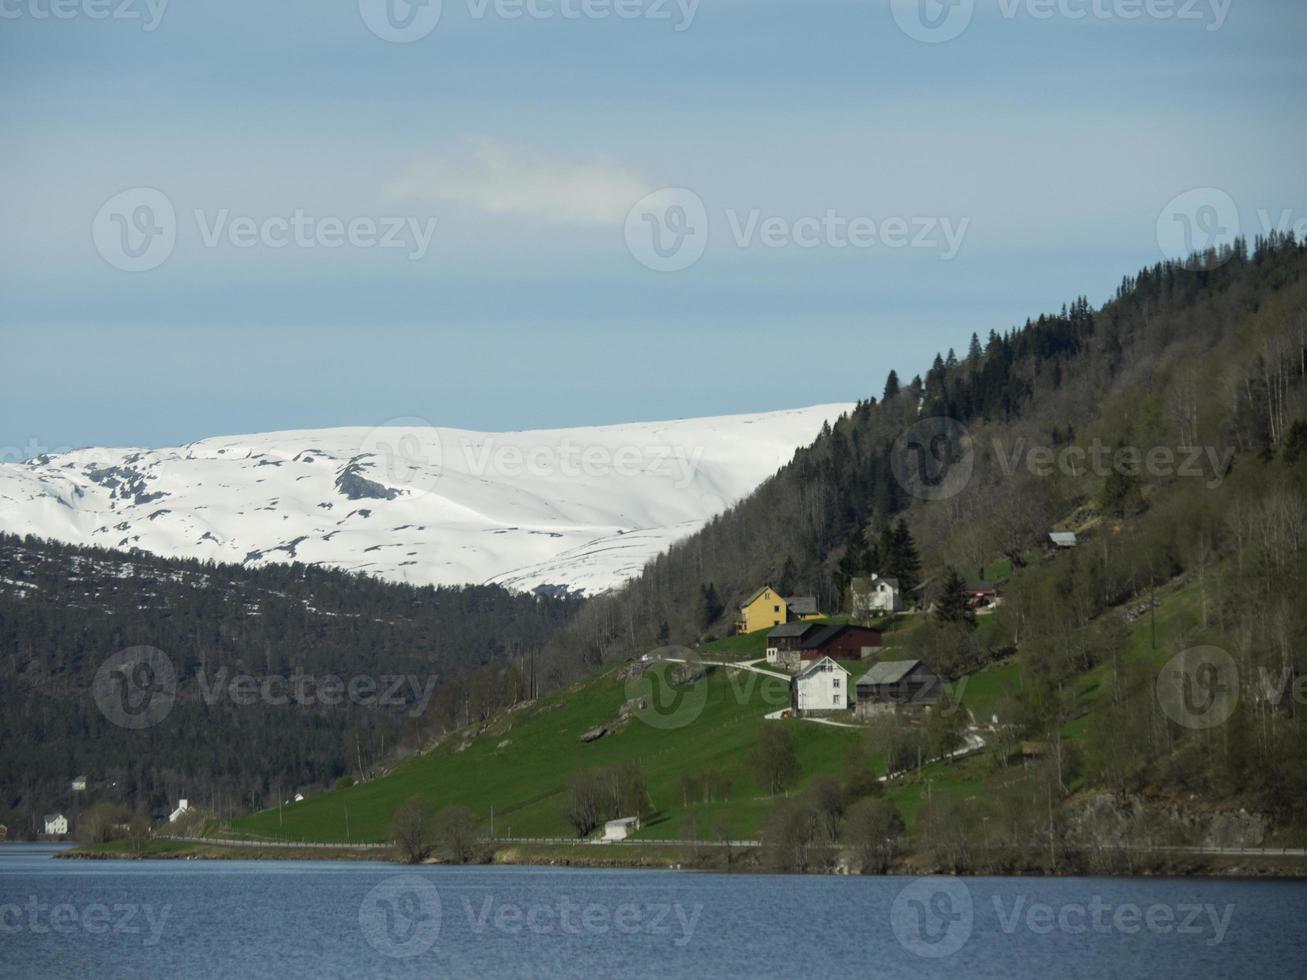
x=767 y=608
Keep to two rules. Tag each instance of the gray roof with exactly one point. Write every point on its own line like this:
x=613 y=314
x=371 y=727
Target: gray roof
x=888 y=672
x=822 y=636
x=1065 y=538
x=791 y=629
x=803 y=605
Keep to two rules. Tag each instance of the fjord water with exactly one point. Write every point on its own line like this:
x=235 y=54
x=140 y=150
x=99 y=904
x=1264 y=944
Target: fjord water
x=254 y=920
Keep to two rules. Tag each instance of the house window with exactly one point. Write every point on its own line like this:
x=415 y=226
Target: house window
x=835 y=700
x=836 y=681
x=775 y=609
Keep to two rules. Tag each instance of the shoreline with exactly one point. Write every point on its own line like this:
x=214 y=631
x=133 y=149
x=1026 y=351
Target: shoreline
x=659 y=858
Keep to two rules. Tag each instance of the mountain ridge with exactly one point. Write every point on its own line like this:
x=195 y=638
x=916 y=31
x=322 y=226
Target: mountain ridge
x=570 y=510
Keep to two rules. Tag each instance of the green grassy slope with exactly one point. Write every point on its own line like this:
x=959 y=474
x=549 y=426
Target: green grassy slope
x=524 y=780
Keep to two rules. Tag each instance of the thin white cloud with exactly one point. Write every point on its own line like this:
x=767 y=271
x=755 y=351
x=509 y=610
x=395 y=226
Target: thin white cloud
x=489 y=176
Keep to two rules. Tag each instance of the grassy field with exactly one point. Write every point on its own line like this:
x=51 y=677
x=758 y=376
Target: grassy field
x=521 y=767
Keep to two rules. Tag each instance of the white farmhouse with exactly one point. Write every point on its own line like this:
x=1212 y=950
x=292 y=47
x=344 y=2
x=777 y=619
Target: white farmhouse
x=820 y=688
x=875 y=595
x=182 y=808
x=56 y=824
x=621 y=829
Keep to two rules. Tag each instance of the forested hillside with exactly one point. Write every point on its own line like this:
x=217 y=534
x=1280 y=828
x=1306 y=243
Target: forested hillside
x=1168 y=429
x=65 y=611
x=1206 y=354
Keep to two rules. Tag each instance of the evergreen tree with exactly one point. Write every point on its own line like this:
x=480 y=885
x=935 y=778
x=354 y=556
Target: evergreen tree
x=951 y=606
x=1121 y=496
x=1295 y=443
x=708 y=607
x=786 y=583
x=899 y=557
x=891 y=385
x=974 y=352
x=860 y=558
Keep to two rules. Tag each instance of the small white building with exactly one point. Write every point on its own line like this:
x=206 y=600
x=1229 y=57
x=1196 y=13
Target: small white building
x=78 y=785
x=56 y=824
x=621 y=829
x=182 y=808
x=876 y=595
x=820 y=688
x=1062 y=539
x=299 y=797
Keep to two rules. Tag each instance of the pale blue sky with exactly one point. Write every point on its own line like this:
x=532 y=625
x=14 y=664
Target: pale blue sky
x=1058 y=142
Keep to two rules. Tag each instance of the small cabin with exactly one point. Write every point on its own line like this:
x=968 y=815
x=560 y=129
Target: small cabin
x=620 y=829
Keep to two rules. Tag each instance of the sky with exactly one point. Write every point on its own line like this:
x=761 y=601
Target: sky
x=513 y=214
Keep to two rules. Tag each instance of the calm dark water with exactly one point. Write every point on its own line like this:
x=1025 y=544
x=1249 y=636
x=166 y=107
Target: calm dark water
x=175 y=919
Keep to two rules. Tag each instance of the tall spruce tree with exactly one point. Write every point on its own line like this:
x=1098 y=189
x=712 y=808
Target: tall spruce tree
x=951 y=606
x=899 y=556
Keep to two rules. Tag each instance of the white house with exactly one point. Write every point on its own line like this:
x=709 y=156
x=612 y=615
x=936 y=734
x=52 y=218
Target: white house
x=621 y=829
x=182 y=808
x=876 y=595
x=56 y=824
x=821 y=687
x=78 y=785
x=299 y=797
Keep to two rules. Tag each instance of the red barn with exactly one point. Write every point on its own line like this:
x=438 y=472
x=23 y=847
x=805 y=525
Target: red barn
x=840 y=643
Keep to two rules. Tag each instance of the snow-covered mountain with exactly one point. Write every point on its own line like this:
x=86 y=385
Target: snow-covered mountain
x=581 y=509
